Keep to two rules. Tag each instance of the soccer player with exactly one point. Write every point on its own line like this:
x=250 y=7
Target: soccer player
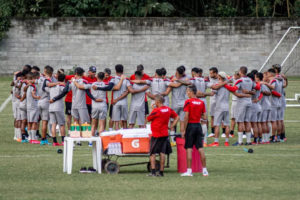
x=99 y=105
x=178 y=87
x=108 y=77
x=244 y=85
x=137 y=105
x=265 y=109
x=56 y=109
x=256 y=108
x=194 y=110
x=159 y=118
x=284 y=82
x=90 y=78
x=79 y=111
x=120 y=103
x=32 y=106
x=234 y=105
x=276 y=90
x=221 y=113
x=201 y=85
x=213 y=79
x=158 y=85
x=23 y=106
x=15 y=104
x=144 y=77
x=43 y=103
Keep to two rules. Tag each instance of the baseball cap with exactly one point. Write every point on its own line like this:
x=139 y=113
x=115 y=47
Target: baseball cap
x=223 y=75
x=93 y=69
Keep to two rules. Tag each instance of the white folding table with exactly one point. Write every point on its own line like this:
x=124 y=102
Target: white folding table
x=68 y=152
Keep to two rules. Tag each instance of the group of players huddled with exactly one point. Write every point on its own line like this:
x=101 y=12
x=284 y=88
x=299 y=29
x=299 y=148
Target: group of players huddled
x=258 y=101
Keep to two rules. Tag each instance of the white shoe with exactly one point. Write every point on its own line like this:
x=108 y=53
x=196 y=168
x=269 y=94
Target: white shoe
x=205 y=173
x=187 y=174
x=223 y=135
x=244 y=136
x=15 y=138
x=211 y=135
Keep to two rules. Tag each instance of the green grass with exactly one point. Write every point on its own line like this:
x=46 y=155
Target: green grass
x=34 y=172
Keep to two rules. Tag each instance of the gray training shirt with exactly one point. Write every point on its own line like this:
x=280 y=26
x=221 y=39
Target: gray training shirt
x=179 y=95
x=59 y=104
x=98 y=94
x=118 y=93
x=158 y=86
x=78 y=95
x=222 y=99
x=32 y=104
x=138 y=99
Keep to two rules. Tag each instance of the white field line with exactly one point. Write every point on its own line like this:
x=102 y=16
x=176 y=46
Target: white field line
x=3 y=105
x=89 y=155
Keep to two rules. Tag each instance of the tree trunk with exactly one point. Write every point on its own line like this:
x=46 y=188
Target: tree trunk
x=256 y=8
x=288 y=7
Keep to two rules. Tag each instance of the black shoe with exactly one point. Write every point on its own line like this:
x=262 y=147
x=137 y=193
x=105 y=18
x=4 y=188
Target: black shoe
x=160 y=174
x=39 y=135
x=151 y=175
x=91 y=170
x=248 y=143
x=237 y=144
x=48 y=136
x=78 y=144
x=83 y=170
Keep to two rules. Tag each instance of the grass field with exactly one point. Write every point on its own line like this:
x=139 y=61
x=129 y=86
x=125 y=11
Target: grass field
x=34 y=172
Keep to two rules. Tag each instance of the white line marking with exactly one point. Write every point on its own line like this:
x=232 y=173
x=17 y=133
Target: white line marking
x=3 y=105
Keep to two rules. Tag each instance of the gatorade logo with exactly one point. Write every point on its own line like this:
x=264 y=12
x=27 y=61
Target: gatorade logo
x=135 y=143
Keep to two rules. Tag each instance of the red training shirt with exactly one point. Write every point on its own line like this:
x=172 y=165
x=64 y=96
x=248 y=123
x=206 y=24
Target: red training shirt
x=69 y=94
x=195 y=107
x=106 y=81
x=90 y=81
x=159 y=118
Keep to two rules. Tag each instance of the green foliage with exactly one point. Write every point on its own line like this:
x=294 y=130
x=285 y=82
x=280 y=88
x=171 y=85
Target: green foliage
x=226 y=11
x=297 y=8
x=5 y=14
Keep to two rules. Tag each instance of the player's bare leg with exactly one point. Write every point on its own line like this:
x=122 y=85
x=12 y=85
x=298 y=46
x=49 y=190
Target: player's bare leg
x=217 y=133
x=274 y=130
x=255 y=130
x=248 y=132
x=102 y=125
x=94 y=126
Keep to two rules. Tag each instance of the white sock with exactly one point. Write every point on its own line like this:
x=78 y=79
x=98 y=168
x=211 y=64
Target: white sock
x=189 y=170
x=204 y=130
x=204 y=169
x=248 y=134
x=110 y=129
x=15 y=133
x=240 y=137
x=19 y=133
x=226 y=139
x=216 y=139
x=270 y=128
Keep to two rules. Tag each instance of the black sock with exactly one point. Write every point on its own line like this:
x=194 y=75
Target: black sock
x=224 y=130
x=273 y=137
x=23 y=136
x=260 y=138
x=212 y=130
x=62 y=138
x=161 y=173
x=244 y=132
x=54 y=140
x=255 y=139
x=278 y=136
x=232 y=132
x=153 y=171
x=283 y=135
x=43 y=139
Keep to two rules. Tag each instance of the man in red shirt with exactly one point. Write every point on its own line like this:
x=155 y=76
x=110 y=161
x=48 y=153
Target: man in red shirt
x=194 y=109
x=159 y=118
x=90 y=78
x=144 y=77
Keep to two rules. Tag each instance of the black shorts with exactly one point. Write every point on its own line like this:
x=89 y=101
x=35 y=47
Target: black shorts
x=146 y=108
x=68 y=108
x=193 y=136
x=110 y=110
x=160 y=145
x=89 y=107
